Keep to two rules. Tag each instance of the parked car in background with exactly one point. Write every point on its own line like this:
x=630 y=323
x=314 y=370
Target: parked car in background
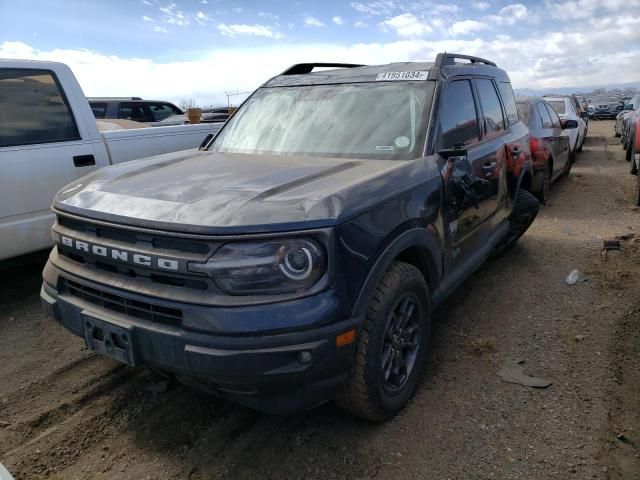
x=49 y=137
x=621 y=127
x=215 y=114
x=634 y=157
x=581 y=109
x=151 y=112
x=548 y=142
x=630 y=130
x=298 y=256
x=566 y=111
x=605 y=106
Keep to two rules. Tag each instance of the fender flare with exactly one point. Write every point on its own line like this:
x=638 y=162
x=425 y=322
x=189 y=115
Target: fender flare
x=420 y=237
x=526 y=169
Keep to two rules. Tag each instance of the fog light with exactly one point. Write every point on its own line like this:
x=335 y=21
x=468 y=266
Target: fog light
x=304 y=357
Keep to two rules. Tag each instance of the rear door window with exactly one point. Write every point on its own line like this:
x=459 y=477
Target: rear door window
x=491 y=108
x=544 y=116
x=509 y=101
x=458 y=120
x=33 y=109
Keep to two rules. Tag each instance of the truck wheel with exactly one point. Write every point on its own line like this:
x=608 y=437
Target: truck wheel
x=543 y=194
x=523 y=215
x=392 y=347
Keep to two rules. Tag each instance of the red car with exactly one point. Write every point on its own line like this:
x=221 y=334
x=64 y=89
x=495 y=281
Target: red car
x=549 y=144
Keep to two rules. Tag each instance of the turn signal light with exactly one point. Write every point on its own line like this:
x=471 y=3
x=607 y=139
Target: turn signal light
x=346 y=338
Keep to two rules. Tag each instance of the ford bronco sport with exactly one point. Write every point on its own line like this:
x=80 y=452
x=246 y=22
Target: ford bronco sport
x=297 y=257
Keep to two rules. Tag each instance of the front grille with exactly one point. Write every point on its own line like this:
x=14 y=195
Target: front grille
x=127 y=306
x=153 y=244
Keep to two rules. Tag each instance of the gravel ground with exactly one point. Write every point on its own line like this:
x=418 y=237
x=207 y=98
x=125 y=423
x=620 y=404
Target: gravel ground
x=66 y=413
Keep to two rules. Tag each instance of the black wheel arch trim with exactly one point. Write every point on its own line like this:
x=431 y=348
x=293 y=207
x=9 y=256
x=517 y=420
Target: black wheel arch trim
x=422 y=238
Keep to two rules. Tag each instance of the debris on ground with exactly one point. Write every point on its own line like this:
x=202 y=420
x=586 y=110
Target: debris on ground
x=513 y=372
x=611 y=245
x=575 y=276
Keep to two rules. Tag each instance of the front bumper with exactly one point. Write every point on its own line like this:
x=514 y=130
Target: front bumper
x=279 y=372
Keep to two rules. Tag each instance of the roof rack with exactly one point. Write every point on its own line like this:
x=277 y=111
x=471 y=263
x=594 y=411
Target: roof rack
x=445 y=59
x=115 y=98
x=304 y=68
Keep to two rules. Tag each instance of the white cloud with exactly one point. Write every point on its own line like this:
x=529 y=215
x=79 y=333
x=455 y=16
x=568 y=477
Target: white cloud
x=268 y=15
x=480 y=5
x=513 y=13
x=465 y=27
x=158 y=28
x=407 y=25
x=172 y=15
x=376 y=8
x=589 y=9
x=147 y=19
x=147 y=3
x=360 y=24
x=204 y=2
x=444 y=8
x=338 y=20
x=248 y=30
x=313 y=22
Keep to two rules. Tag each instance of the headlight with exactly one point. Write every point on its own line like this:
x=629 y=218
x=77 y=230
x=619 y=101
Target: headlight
x=250 y=268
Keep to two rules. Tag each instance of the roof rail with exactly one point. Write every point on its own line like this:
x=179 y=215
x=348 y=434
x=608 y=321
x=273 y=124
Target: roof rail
x=444 y=59
x=304 y=68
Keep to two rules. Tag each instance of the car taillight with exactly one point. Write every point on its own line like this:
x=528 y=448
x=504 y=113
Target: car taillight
x=533 y=144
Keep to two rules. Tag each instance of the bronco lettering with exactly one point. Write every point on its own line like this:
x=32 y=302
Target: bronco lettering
x=120 y=255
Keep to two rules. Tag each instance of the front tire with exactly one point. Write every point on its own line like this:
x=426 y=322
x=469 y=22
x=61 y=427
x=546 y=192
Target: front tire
x=392 y=346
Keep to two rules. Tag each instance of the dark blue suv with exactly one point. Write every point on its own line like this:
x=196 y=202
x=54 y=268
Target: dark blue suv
x=297 y=257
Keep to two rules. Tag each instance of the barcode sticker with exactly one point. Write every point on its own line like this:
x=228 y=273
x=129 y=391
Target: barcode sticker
x=391 y=76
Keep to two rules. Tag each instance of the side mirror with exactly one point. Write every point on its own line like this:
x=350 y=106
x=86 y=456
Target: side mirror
x=453 y=152
x=584 y=114
x=568 y=124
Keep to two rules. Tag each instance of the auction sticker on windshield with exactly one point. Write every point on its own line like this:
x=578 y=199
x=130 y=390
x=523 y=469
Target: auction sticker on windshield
x=390 y=76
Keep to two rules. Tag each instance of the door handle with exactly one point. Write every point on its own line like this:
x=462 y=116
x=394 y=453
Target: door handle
x=489 y=166
x=84 y=160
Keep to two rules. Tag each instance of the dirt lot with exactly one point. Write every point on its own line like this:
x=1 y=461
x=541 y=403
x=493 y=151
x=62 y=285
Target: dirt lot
x=66 y=413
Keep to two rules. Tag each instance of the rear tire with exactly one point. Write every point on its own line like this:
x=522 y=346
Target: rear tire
x=525 y=212
x=543 y=194
x=386 y=369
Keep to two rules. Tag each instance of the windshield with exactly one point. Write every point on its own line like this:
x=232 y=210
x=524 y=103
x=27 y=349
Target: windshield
x=606 y=99
x=364 y=120
x=558 y=106
x=524 y=109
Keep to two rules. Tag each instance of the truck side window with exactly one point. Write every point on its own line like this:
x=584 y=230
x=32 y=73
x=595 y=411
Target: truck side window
x=160 y=111
x=99 y=109
x=493 y=118
x=33 y=109
x=134 y=111
x=458 y=123
x=545 y=117
x=509 y=101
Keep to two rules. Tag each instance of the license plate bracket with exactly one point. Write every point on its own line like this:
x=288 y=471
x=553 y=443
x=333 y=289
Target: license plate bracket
x=110 y=339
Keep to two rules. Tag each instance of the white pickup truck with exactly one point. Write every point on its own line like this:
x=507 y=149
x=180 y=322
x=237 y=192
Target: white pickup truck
x=49 y=138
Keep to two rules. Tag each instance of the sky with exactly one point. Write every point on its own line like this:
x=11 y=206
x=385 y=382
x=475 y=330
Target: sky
x=200 y=49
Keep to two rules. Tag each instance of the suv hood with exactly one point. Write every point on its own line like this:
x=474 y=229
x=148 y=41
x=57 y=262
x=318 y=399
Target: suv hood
x=202 y=192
